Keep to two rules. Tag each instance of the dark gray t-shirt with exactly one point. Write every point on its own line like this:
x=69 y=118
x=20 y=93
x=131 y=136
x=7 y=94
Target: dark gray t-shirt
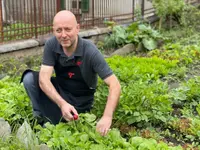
x=88 y=62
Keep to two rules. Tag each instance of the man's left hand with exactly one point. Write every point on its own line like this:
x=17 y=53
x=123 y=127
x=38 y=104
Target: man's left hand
x=103 y=126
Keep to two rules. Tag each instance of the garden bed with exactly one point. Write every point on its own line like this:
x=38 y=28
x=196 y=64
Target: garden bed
x=152 y=114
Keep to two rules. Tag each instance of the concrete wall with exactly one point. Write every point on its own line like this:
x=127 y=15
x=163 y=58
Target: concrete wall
x=35 y=47
x=34 y=51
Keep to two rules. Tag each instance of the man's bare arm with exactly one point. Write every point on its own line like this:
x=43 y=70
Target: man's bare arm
x=48 y=88
x=105 y=122
x=46 y=85
x=113 y=97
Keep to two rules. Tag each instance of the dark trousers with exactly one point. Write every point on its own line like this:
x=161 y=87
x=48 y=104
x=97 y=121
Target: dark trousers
x=44 y=107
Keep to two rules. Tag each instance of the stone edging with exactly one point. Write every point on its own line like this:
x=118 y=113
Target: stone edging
x=30 y=43
x=18 y=45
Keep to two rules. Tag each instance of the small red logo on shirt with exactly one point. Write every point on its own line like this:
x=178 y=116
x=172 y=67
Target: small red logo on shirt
x=78 y=63
x=70 y=74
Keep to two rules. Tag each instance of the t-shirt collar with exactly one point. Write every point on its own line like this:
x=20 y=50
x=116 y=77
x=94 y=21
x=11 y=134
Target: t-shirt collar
x=78 y=51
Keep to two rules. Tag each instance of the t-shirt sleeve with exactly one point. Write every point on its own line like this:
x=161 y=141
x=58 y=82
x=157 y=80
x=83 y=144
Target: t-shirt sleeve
x=48 y=54
x=100 y=66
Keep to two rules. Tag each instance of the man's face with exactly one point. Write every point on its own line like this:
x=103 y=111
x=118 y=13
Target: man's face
x=66 y=32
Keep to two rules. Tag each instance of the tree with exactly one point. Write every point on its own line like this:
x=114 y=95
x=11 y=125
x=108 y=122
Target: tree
x=166 y=8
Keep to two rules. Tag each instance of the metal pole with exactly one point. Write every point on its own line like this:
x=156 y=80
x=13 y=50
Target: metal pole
x=35 y=18
x=142 y=8
x=93 y=13
x=58 y=5
x=1 y=21
x=133 y=9
x=63 y=6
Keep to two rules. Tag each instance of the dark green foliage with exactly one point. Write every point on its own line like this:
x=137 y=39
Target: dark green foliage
x=81 y=134
x=15 y=104
x=117 y=38
x=11 y=144
x=144 y=98
x=134 y=33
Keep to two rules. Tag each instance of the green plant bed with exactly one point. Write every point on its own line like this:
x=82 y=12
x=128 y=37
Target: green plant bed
x=148 y=116
x=11 y=144
x=17 y=31
x=15 y=104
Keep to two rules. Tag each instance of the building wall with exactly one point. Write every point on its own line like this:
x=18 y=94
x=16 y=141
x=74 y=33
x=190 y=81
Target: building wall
x=112 y=7
x=1 y=19
x=148 y=5
x=109 y=7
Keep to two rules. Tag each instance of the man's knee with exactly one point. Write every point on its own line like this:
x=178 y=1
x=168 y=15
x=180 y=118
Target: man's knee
x=28 y=79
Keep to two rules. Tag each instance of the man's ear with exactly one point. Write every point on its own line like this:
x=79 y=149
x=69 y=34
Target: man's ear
x=53 y=29
x=78 y=27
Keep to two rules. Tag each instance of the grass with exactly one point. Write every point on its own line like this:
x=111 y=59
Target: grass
x=18 y=31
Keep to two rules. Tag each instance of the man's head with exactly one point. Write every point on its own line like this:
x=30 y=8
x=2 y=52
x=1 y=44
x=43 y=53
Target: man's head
x=65 y=28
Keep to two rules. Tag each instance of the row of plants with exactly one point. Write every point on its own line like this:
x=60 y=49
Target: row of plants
x=139 y=34
x=146 y=102
x=17 y=31
x=177 y=19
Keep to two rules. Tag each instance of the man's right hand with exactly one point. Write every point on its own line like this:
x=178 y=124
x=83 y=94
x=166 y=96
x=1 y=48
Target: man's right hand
x=68 y=111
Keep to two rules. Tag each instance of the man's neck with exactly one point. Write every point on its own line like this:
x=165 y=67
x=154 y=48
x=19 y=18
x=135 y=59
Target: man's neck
x=70 y=50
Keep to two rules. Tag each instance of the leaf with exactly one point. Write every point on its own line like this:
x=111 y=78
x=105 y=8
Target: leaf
x=26 y=135
x=142 y=27
x=136 y=114
x=149 y=43
x=89 y=117
x=84 y=137
x=198 y=109
x=136 y=141
x=131 y=121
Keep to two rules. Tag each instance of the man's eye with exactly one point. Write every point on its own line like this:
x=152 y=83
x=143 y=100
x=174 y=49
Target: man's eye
x=67 y=29
x=58 y=30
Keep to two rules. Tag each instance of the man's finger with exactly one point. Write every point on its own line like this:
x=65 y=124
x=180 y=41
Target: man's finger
x=105 y=132
x=74 y=111
x=102 y=131
x=68 y=117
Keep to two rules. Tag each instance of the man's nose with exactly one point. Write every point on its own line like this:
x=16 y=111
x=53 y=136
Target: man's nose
x=64 y=33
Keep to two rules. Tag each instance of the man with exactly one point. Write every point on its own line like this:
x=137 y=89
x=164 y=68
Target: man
x=76 y=63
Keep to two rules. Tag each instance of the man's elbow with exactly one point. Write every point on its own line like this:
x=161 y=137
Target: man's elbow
x=41 y=82
x=114 y=84
x=117 y=86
